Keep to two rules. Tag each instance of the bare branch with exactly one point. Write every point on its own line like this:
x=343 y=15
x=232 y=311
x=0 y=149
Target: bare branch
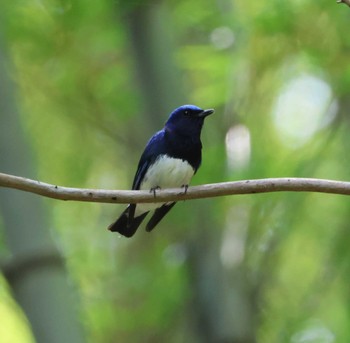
x=196 y=192
x=347 y=2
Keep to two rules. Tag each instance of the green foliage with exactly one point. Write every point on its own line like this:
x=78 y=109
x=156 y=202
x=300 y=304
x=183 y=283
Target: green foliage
x=84 y=109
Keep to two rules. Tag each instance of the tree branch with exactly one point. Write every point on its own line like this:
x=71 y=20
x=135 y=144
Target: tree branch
x=195 y=192
x=346 y=2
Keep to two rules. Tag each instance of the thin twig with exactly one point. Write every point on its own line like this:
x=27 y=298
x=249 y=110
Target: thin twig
x=195 y=192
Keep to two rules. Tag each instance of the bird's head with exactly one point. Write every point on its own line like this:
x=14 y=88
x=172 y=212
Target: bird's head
x=187 y=119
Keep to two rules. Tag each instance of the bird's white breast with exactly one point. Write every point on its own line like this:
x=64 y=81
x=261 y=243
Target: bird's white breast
x=166 y=172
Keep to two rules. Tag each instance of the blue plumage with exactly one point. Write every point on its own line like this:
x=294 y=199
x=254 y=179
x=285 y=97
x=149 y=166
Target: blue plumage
x=171 y=157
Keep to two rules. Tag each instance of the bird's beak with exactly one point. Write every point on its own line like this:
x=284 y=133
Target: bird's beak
x=205 y=113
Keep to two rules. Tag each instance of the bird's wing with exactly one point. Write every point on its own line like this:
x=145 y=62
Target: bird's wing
x=141 y=171
x=154 y=148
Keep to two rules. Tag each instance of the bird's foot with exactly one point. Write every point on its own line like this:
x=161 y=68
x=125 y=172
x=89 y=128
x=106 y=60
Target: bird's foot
x=154 y=189
x=186 y=188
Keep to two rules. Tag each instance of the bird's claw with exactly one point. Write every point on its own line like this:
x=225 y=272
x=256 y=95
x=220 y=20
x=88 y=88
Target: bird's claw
x=153 y=190
x=186 y=188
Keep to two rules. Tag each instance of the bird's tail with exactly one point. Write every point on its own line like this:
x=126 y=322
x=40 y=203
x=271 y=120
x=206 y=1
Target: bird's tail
x=125 y=226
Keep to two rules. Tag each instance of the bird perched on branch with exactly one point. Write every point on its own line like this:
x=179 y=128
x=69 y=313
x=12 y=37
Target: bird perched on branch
x=171 y=157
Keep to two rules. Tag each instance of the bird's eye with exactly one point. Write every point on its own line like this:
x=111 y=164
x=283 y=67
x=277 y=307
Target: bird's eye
x=186 y=113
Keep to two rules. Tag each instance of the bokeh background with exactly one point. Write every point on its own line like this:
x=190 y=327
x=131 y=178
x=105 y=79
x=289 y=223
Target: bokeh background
x=84 y=84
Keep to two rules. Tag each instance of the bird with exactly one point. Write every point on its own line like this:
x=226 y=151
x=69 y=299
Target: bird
x=170 y=159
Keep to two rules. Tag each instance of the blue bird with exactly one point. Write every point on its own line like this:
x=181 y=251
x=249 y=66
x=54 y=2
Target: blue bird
x=171 y=157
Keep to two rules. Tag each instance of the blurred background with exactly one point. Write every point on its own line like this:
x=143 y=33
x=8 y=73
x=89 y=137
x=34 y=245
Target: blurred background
x=83 y=85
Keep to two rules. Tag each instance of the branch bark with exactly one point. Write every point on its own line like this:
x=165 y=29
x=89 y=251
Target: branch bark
x=176 y=194
x=346 y=2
